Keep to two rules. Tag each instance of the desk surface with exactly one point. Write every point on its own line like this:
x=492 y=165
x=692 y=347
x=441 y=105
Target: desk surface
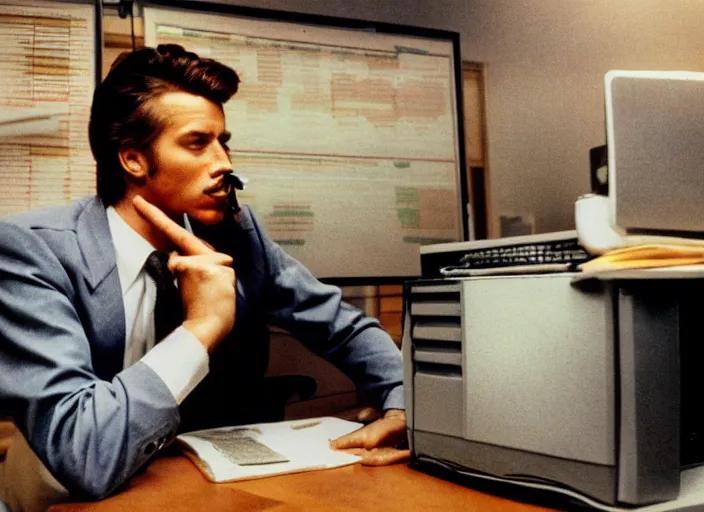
x=172 y=484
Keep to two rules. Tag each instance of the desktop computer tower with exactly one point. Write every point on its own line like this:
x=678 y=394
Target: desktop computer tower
x=592 y=386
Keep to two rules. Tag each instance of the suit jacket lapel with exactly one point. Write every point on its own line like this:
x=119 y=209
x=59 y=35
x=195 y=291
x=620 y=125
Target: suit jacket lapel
x=104 y=308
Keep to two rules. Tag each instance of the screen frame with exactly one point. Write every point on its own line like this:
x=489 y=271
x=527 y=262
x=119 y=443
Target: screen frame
x=366 y=26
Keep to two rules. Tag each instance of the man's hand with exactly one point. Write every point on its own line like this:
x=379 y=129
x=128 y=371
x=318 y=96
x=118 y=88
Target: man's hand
x=378 y=443
x=206 y=280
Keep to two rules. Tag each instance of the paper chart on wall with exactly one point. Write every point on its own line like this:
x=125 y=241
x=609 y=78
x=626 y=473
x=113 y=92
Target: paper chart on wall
x=47 y=77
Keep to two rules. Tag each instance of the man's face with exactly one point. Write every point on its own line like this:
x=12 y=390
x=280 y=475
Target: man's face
x=188 y=160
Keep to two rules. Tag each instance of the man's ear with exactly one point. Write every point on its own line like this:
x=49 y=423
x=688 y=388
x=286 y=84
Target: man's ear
x=134 y=162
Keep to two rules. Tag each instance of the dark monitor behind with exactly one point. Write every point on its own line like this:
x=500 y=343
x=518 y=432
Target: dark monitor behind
x=349 y=132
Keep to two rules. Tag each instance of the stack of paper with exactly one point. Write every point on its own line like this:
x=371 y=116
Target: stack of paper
x=647 y=256
x=266 y=449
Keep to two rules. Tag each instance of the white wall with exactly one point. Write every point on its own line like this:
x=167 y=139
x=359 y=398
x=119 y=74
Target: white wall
x=545 y=63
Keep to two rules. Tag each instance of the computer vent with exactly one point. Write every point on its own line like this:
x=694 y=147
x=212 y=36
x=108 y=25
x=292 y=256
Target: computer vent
x=436 y=329
x=436 y=381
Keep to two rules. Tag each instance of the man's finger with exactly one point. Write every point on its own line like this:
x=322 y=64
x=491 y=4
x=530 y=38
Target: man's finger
x=187 y=242
x=385 y=431
x=178 y=263
x=385 y=456
x=356 y=439
x=379 y=456
x=354 y=451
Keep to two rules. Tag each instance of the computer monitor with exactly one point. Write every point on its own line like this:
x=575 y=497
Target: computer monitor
x=655 y=138
x=350 y=132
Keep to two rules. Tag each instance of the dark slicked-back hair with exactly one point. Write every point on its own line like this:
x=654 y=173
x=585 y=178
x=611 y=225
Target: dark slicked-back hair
x=120 y=117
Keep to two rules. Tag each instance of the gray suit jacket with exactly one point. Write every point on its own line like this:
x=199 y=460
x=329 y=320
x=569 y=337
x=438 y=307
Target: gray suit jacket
x=62 y=338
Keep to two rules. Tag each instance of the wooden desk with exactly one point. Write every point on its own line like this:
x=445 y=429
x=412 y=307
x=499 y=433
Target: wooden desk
x=173 y=484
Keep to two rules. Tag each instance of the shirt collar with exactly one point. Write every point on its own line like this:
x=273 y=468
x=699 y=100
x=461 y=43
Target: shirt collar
x=131 y=250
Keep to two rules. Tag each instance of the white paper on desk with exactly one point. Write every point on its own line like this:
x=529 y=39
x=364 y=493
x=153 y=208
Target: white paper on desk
x=304 y=442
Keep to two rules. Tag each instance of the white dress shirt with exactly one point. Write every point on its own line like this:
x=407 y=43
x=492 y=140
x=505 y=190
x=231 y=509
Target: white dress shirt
x=180 y=360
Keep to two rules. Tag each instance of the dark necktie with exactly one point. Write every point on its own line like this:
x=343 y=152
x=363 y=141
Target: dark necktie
x=168 y=311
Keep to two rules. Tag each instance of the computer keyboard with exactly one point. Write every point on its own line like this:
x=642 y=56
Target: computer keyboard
x=530 y=254
x=551 y=252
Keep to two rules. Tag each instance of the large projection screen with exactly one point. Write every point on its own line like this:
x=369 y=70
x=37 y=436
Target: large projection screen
x=350 y=138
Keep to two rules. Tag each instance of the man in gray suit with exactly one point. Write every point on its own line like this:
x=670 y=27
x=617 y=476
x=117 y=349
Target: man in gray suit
x=94 y=389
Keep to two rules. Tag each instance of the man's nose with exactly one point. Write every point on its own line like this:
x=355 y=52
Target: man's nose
x=220 y=157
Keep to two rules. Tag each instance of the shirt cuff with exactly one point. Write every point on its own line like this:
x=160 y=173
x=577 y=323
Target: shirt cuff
x=180 y=360
x=394 y=400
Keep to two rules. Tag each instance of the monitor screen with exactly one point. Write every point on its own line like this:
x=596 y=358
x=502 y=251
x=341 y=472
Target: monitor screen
x=349 y=136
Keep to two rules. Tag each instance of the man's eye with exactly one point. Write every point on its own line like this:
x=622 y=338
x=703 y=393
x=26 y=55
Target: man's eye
x=197 y=144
